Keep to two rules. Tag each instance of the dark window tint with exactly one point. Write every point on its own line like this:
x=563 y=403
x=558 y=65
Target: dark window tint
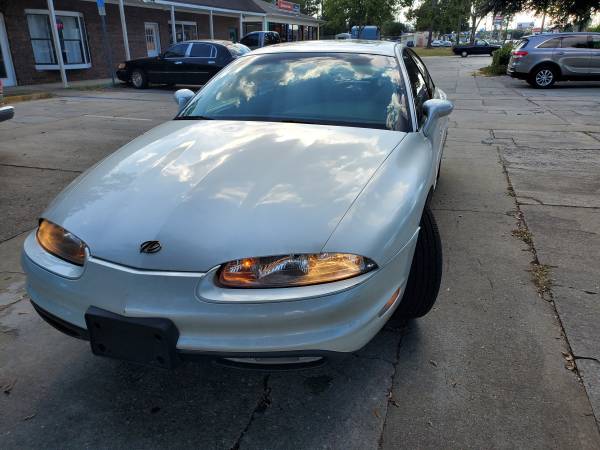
x=575 y=42
x=176 y=51
x=421 y=65
x=418 y=84
x=344 y=89
x=551 y=43
x=596 y=43
x=203 y=51
x=522 y=44
x=271 y=38
x=238 y=50
x=251 y=40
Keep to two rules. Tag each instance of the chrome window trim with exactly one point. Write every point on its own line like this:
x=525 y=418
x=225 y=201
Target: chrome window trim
x=407 y=87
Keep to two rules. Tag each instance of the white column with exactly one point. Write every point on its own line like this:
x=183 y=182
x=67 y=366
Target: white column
x=241 y=27
x=57 y=48
x=317 y=31
x=173 y=31
x=124 y=29
x=212 y=27
x=265 y=24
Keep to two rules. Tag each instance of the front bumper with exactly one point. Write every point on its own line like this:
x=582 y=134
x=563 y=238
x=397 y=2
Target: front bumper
x=214 y=321
x=123 y=75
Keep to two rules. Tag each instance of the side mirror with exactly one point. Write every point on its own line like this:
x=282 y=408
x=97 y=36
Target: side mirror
x=182 y=97
x=6 y=113
x=433 y=110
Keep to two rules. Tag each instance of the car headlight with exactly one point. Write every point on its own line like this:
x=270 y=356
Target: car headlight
x=121 y=66
x=293 y=270
x=61 y=243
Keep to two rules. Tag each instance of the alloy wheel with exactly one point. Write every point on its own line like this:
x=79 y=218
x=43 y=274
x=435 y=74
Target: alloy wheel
x=544 y=77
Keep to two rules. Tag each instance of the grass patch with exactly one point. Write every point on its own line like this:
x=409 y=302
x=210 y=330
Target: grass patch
x=436 y=51
x=540 y=274
x=524 y=235
x=493 y=71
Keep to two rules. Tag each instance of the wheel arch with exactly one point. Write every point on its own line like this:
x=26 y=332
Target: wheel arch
x=546 y=63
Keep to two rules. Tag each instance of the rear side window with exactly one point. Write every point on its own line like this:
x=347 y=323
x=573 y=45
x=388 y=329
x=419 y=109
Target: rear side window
x=550 y=43
x=203 y=51
x=418 y=84
x=575 y=42
x=522 y=44
x=271 y=38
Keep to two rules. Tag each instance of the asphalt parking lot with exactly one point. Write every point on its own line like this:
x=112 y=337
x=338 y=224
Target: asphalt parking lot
x=508 y=358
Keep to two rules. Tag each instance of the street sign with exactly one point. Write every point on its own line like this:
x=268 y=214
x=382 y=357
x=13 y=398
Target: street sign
x=101 y=8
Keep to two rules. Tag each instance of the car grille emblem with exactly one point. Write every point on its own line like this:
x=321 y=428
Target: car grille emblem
x=150 y=247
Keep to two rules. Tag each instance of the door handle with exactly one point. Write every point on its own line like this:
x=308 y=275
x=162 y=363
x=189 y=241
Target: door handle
x=178 y=62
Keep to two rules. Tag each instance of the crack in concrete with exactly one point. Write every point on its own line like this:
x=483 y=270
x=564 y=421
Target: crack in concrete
x=40 y=168
x=587 y=358
x=261 y=406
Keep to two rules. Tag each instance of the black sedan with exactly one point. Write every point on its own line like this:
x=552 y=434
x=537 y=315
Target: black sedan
x=480 y=47
x=188 y=62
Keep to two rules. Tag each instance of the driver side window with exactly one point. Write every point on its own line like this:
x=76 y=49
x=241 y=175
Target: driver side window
x=176 y=51
x=420 y=90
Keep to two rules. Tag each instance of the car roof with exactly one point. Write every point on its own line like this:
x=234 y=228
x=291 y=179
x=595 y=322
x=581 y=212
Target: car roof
x=207 y=41
x=387 y=48
x=564 y=33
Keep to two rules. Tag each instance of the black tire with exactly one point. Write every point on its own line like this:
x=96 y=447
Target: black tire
x=542 y=77
x=425 y=272
x=139 y=80
x=464 y=54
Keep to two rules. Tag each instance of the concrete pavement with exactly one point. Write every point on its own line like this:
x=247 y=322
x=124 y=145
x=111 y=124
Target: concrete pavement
x=484 y=369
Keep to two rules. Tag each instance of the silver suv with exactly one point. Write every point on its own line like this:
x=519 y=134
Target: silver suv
x=545 y=58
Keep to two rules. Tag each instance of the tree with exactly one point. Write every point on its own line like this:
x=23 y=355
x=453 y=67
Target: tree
x=341 y=15
x=309 y=7
x=443 y=16
x=392 y=28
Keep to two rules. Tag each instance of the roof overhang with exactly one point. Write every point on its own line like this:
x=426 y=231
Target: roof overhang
x=192 y=6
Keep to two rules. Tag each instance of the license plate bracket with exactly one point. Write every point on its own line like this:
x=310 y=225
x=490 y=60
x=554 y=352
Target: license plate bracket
x=145 y=340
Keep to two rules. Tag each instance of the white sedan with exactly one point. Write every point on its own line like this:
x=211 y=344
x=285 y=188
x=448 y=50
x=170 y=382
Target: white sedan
x=282 y=216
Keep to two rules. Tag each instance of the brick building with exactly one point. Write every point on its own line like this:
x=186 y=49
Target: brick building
x=135 y=28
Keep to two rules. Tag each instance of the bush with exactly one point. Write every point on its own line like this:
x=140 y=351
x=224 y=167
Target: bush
x=501 y=56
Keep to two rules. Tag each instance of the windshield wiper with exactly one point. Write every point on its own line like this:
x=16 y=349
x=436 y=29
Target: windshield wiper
x=193 y=118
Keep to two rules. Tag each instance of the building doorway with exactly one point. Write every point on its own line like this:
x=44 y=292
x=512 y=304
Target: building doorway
x=7 y=71
x=152 y=39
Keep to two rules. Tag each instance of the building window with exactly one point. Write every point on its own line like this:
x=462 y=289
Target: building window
x=185 y=31
x=71 y=34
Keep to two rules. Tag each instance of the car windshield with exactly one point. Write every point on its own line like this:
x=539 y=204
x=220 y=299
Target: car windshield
x=347 y=89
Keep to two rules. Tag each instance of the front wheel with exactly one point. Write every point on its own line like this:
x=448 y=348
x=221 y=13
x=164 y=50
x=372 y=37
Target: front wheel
x=425 y=275
x=139 y=79
x=464 y=54
x=542 y=77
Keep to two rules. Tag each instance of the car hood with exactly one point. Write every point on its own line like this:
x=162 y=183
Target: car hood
x=214 y=191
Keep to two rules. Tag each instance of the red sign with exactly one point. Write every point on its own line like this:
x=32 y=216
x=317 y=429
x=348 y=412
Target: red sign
x=288 y=6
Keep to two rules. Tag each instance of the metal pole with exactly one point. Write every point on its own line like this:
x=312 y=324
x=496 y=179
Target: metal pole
x=241 y=27
x=124 y=29
x=109 y=57
x=57 y=47
x=265 y=24
x=212 y=29
x=318 y=37
x=173 y=31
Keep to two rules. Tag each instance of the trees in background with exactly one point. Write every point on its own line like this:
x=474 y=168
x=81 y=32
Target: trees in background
x=341 y=15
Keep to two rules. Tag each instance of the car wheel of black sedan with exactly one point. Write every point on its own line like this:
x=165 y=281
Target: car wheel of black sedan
x=139 y=79
x=464 y=54
x=425 y=272
x=542 y=77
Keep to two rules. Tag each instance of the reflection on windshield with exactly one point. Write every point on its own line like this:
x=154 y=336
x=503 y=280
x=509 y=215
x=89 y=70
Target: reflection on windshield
x=326 y=88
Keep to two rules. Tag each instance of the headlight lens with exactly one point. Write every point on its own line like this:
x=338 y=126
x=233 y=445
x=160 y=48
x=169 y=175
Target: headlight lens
x=61 y=243
x=293 y=270
x=121 y=66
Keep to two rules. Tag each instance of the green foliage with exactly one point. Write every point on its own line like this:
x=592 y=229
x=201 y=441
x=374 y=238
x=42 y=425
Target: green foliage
x=341 y=15
x=309 y=7
x=595 y=29
x=393 y=28
x=501 y=56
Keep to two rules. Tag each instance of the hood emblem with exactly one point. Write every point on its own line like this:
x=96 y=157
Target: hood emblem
x=150 y=247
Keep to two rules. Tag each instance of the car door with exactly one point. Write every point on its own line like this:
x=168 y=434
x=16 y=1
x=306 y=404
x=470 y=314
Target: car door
x=421 y=85
x=595 y=55
x=574 y=55
x=169 y=66
x=201 y=63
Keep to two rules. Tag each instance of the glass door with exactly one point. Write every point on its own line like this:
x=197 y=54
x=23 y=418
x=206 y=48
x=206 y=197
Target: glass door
x=152 y=39
x=7 y=72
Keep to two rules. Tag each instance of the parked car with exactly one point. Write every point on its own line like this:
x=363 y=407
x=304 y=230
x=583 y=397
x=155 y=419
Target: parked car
x=6 y=113
x=436 y=43
x=282 y=215
x=189 y=62
x=259 y=39
x=343 y=36
x=543 y=59
x=368 y=32
x=480 y=47
x=447 y=44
